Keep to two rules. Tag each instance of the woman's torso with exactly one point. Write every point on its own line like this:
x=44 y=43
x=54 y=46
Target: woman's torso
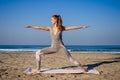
x=56 y=37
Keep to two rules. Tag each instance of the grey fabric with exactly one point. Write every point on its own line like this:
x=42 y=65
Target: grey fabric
x=57 y=45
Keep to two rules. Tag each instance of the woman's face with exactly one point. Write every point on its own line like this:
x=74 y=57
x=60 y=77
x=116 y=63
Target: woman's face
x=53 y=20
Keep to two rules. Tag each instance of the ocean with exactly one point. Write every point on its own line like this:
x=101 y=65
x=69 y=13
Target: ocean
x=71 y=48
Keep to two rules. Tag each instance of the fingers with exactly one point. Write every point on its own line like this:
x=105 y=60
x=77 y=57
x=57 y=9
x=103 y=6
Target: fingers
x=86 y=26
x=27 y=27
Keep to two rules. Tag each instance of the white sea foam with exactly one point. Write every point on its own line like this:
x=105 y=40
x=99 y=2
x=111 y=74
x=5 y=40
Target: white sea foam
x=33 y=50
x=18 y=50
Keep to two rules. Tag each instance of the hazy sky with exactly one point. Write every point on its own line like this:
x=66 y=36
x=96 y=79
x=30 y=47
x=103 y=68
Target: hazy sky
x=103 y=17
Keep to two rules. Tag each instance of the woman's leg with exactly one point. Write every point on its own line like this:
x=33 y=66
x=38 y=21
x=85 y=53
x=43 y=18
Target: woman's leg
x=38 y=59
x=72 y=59
x=39 y=54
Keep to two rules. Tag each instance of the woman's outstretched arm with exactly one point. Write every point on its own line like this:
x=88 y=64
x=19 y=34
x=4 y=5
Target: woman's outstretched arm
x=75 y=27
x=39 y=27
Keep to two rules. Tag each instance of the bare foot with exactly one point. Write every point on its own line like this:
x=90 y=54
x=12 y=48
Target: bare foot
x=84 y=69
x=36 y=71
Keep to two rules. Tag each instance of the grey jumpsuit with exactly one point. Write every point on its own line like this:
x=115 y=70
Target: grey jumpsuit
x=57 y=46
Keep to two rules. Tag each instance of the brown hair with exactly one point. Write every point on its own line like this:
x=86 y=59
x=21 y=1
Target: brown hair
x=59 y=22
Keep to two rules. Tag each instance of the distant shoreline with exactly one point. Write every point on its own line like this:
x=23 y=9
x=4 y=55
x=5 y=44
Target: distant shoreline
x=71 y=48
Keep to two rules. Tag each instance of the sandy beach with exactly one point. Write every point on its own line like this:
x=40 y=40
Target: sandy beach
x=13 y=64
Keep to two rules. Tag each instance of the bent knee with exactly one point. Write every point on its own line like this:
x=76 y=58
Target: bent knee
x=39 y=52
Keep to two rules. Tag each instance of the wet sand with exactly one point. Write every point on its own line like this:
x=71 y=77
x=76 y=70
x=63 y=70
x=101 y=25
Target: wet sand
x=13 y=64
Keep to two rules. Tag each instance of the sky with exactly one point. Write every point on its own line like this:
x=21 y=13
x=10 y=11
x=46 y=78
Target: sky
x=103 y=17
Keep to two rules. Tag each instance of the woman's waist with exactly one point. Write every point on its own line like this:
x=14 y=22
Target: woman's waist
x=55 y=44
x=57 y=41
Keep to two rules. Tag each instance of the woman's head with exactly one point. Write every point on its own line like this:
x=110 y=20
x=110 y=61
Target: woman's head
x=56 y=20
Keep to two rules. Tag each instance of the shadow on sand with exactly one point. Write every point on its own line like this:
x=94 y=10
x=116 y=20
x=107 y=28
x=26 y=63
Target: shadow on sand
x=91 y=66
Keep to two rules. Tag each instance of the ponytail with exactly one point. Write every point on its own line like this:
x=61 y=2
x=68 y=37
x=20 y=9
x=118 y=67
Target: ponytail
x=59 y=22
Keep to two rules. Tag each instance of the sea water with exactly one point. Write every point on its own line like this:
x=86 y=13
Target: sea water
x=71 y=48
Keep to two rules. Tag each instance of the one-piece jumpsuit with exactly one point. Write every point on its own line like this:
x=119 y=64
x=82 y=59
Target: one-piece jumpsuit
x=58 y=45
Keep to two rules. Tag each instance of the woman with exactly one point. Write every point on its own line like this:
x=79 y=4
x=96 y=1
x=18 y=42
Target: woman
x=57 y=43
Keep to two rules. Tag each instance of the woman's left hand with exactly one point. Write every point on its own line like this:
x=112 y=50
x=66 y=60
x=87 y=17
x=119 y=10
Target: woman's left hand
x=86 y=26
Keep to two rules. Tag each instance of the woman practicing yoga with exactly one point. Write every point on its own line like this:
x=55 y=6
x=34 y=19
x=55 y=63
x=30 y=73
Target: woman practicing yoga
x=57 y=43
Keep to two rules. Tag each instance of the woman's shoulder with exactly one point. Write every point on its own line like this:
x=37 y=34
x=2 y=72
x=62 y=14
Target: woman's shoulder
x=49 y=27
